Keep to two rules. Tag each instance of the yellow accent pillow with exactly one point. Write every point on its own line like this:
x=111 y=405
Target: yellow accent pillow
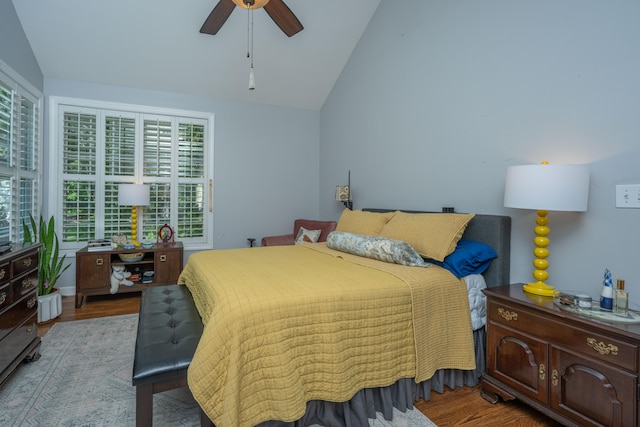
x=362 y=222
x=432 y=235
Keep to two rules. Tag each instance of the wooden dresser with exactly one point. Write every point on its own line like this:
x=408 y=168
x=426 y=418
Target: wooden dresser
x=18 y=307
x=577 y=370
x=93 y=269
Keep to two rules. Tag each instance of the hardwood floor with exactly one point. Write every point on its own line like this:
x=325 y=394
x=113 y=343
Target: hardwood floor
x=460 y=407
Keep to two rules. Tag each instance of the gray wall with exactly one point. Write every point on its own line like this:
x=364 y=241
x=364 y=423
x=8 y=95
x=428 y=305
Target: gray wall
x=15 y=50
x=440 y=97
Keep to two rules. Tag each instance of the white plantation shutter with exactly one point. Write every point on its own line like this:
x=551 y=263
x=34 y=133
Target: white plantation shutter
x=103 y=147
x=157 y=148
x=20 y=147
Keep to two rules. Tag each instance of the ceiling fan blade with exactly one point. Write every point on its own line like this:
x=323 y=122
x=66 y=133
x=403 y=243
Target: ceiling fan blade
x=218 y=17
x=283 y=17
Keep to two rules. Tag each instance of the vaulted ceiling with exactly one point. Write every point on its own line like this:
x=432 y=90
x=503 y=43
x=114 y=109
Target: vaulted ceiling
x=156 y=45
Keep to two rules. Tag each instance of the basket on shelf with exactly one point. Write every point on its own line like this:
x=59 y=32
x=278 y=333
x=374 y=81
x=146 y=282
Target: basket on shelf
x=133 y=257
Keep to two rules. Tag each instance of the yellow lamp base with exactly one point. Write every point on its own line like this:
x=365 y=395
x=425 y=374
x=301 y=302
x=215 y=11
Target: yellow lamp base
x=540 y=288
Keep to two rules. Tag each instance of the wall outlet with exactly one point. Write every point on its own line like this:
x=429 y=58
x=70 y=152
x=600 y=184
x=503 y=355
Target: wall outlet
x=628 y=196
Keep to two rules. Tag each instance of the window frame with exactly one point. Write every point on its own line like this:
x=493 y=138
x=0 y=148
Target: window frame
x=58 y=105
x=21 y=88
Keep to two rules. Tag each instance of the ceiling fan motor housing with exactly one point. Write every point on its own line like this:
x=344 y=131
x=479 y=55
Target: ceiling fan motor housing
x=253 y=4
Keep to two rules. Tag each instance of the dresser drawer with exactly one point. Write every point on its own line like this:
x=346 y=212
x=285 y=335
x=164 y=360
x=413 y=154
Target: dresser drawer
x=15 y=342
x=6 y=297
x=597 y=346
x=24 y=263
x=17 y=313
x=4 y=272
x=613 y=351
x=24 y=284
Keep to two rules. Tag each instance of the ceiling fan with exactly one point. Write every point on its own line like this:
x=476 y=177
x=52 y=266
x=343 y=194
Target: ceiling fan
x=277 y=10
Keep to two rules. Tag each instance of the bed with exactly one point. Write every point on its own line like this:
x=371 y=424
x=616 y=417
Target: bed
x=316 y=333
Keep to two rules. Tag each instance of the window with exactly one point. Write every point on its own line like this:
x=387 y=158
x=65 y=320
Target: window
x=97 y=146
x=20 y=147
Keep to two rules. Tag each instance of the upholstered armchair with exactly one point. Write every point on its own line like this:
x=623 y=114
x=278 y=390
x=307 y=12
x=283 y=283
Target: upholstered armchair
x=325 y=228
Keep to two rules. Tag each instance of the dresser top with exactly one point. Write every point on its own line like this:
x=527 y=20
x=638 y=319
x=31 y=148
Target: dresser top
x=515 y=294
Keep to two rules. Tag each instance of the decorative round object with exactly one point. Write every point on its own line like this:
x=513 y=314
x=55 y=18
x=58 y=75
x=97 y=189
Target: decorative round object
x=134 y=257
x=165 y=234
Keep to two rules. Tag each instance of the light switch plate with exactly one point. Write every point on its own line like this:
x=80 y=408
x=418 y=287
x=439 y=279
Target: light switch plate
x=628 y=196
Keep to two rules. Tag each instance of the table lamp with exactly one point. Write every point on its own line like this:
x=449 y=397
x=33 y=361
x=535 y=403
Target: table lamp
x=133 y=195
x=546 y=188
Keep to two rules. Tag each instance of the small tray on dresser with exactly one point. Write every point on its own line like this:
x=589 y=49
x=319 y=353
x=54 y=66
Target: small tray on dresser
x=595 y=311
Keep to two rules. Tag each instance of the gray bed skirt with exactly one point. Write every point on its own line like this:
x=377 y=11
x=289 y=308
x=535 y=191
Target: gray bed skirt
x=401 y=395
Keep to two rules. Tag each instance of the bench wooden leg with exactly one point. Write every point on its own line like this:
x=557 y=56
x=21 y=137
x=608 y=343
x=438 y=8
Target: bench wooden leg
x=144 y=405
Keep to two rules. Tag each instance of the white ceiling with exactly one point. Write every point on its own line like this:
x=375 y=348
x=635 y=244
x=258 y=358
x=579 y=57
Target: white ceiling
x=156 y=45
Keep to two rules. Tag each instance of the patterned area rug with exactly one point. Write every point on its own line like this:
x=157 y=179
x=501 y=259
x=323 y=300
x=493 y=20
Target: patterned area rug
x=84 y=379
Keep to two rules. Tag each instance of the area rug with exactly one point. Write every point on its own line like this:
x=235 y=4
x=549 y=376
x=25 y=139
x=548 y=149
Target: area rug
x=84 y=379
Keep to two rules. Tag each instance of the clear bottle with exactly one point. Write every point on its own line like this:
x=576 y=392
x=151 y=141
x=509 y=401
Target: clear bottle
x=621 y=300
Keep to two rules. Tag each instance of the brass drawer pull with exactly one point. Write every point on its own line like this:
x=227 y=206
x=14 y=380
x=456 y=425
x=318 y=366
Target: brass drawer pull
x=163 y=258
x=602 y=348
x=30 y=329
x=27 y=262
x=32 y=302
x=507 y=315
x=2 y=273
x=26 y=283
x=541 y=371
x=99 y=261
x=3 y=297
x=554 y=377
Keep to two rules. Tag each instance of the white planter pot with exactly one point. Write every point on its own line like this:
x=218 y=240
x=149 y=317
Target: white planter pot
x=49 y=306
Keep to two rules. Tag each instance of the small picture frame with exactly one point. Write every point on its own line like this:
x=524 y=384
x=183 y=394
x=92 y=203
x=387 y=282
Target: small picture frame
x=119 y=240
x=165 y=234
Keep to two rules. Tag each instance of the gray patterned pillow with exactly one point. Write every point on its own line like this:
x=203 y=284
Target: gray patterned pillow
x=376 y=247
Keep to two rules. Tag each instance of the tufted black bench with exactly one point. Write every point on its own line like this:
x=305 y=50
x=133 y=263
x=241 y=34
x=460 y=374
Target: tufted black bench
x=169 y=328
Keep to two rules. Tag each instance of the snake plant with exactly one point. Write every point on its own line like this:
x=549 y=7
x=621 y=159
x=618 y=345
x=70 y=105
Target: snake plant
x=50 y=264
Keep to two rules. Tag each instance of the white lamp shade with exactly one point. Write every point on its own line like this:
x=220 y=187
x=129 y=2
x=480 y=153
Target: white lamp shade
x=547 y=187
x=133 y=195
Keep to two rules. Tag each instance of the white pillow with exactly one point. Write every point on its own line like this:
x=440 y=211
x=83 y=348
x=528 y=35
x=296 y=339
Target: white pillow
x=309 y=236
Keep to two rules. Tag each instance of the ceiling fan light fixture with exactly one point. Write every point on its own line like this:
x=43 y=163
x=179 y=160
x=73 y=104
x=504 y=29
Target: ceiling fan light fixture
x=254 y=4
x=252 y=80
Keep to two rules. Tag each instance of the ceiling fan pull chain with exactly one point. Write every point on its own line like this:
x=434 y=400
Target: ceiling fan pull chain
x=248 y=32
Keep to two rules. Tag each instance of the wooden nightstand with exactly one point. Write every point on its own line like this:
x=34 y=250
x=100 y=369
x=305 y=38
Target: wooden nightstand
x=93 y=269
x=575 y=369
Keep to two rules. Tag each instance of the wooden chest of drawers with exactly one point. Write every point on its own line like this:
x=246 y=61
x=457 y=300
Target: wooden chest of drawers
x=577 y=370
x=18 y=308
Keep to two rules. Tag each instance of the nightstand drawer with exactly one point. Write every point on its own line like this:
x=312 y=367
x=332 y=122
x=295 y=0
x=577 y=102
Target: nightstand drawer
x=613 y=351
x=597 y=346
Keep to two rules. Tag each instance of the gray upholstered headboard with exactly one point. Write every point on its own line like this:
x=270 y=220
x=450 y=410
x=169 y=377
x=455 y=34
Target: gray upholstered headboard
x=495 y=231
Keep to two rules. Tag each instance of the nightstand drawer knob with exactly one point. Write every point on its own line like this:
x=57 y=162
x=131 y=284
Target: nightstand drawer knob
x=32 y=302
x=541 y=372
x=507 y=315
x=3 y=297
x=163 y=258
x=554 y=377
x=99 y=261
x=602 y=348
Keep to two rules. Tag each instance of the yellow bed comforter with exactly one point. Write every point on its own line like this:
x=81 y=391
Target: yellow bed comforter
x=287 y=324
